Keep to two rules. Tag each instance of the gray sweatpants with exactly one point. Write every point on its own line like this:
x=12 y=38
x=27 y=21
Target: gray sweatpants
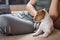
x=20 y=23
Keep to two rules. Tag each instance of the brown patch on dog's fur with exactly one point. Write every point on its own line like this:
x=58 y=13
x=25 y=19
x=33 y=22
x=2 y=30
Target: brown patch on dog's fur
x=40 y=15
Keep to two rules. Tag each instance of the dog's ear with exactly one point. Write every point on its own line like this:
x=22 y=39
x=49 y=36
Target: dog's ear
x=43 y=11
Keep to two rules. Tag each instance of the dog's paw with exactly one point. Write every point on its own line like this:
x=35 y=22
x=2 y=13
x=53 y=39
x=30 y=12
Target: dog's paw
x=34 y=34
x=43 y=36
x=35 y=31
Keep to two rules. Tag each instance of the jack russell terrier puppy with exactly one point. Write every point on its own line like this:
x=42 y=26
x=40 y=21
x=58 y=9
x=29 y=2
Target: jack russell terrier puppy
x=43 y=23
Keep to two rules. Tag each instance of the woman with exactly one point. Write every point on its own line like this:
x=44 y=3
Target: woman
x=22 y=23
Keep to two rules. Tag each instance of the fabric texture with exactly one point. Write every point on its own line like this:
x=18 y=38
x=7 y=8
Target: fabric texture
x=20 y=23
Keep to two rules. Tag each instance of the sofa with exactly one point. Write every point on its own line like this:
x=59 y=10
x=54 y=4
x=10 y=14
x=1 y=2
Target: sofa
x=54 y=36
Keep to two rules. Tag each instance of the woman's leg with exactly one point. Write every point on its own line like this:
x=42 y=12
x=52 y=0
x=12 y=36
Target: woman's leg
x=18 y=25
x=57 y=22
x=54 y=13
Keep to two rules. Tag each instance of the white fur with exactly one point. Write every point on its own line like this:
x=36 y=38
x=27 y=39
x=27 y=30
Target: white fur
x=46 y=26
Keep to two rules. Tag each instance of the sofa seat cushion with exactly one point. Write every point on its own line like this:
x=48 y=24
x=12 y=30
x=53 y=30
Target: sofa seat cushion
x=54 y=36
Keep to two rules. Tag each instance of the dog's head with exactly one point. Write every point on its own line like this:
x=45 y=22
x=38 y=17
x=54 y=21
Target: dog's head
x=40 y=15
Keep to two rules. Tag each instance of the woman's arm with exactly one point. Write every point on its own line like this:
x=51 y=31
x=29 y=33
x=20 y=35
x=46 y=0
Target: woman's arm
x=30 y=7
x=54 y=10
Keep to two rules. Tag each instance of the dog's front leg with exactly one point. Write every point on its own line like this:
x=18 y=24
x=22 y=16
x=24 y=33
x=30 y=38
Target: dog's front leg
x=35 y=25
x=46 y=34
x=39 y=31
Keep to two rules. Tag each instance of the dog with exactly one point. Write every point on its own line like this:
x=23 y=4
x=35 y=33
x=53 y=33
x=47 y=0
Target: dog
x=43 y=23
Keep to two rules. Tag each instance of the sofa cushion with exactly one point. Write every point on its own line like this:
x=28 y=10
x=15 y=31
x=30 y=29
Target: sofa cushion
x=54 y=36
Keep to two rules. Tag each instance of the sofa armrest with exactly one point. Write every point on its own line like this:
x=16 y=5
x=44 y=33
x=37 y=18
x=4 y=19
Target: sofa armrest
x=17 y=7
